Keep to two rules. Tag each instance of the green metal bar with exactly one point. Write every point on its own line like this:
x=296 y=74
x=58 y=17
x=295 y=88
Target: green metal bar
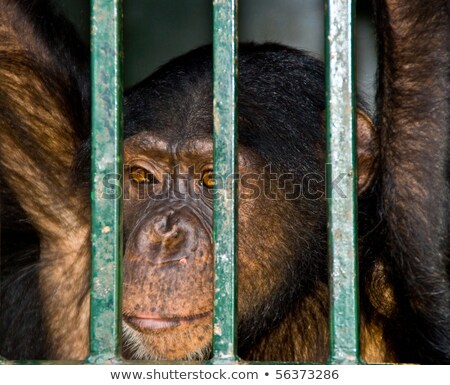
x=225 y=214
x=341 y=155
x=106 y=156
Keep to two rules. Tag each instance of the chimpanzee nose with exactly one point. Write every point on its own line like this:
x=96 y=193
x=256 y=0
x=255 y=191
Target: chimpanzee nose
x=164 y=230
x=169 y=236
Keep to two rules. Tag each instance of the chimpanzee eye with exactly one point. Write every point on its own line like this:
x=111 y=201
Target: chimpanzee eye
x=141 y=175
x=208 y=179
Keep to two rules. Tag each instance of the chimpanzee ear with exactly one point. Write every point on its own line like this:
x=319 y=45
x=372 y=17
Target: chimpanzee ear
x=367 y=151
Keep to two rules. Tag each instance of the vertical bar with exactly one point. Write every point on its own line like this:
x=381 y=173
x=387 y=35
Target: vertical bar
x=106 y=66
x=225 y=76
x=342 y=205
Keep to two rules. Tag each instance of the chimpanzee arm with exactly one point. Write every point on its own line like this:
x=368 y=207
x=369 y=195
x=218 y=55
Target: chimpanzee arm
x=413 y=103
x=44 y=116
x=44 y=111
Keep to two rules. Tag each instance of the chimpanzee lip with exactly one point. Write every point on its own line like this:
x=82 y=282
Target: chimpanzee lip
x=152 y=322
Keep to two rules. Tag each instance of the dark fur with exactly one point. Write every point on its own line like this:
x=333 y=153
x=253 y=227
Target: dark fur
x=414 y=120
x=403 y=225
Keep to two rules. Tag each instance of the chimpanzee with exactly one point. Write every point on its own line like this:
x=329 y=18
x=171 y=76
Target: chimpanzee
x=168 y=186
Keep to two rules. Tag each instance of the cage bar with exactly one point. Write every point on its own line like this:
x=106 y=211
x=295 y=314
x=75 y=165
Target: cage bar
x=341 y=181
x=225 y=169
x=106 y=156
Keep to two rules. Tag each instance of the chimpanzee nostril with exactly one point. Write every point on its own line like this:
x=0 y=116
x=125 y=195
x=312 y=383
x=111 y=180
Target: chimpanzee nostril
x=164 y=230
x=161 y=225
x=174 y=236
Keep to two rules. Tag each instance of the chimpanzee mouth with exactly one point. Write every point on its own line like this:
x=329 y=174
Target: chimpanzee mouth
x=148 y=323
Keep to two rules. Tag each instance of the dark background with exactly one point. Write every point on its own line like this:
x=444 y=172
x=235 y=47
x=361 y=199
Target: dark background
x=156 y=31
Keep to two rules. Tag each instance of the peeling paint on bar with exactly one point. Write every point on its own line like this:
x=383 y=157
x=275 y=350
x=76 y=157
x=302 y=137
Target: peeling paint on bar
x=225 y=76
x=342 y=238
x=106 y=164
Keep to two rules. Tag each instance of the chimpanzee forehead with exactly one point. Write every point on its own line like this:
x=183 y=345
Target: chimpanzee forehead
x=196 y=149
x=154 y=142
